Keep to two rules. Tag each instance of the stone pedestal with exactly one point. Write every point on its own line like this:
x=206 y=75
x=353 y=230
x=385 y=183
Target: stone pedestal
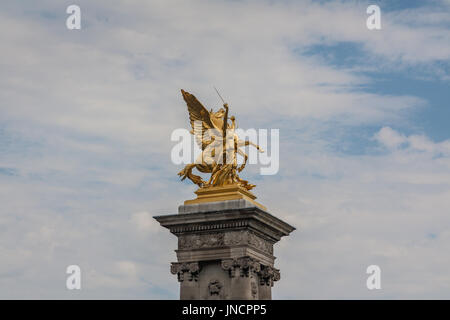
x=225 y=249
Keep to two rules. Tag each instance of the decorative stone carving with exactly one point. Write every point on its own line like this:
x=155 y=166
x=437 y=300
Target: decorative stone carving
x=244 y=266
x=236 y=238
x=260 y=243
x=197 y=241
x=220 y=239
x=214 y=287
x=185 y=271
x=268 y=275
x=228 y=265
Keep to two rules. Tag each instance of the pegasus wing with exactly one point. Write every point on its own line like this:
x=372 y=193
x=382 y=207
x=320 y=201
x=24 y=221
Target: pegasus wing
x=198 y=115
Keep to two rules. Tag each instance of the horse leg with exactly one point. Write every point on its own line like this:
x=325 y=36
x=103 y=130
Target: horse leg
x=187 y=173
x=242 y=153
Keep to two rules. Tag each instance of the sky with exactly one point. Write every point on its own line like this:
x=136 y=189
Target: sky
x=86 y=118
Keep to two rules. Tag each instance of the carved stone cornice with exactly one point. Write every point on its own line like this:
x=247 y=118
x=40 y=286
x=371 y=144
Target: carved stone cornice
x=185 y=271
x=252 y=218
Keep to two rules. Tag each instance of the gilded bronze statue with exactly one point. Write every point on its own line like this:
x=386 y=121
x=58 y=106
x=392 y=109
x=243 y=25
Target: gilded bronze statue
x=219 y=144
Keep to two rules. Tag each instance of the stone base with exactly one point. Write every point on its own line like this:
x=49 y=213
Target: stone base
x=225 y=193
x=225 y=249
x=215 y=206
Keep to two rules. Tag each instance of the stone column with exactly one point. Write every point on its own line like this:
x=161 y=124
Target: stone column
x=225 y=250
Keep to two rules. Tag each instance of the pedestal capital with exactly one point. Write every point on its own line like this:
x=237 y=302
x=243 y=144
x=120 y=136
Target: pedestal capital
x=185 y=271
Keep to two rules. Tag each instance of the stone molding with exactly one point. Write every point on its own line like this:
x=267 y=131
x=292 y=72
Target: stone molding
x=245 y=218
x=195 y=227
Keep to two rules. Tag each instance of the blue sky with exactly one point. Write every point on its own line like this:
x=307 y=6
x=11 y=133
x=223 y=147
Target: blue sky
x=86 y=117
x=432 y=119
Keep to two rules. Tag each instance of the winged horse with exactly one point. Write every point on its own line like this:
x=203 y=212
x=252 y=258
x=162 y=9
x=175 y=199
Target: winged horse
x=219 y=144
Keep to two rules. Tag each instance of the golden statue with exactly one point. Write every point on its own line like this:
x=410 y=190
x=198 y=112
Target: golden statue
x=219 y=145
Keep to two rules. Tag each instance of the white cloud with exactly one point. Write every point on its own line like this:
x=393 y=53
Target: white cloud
x=144 y=222
x=128 y=268
x=392 y=139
